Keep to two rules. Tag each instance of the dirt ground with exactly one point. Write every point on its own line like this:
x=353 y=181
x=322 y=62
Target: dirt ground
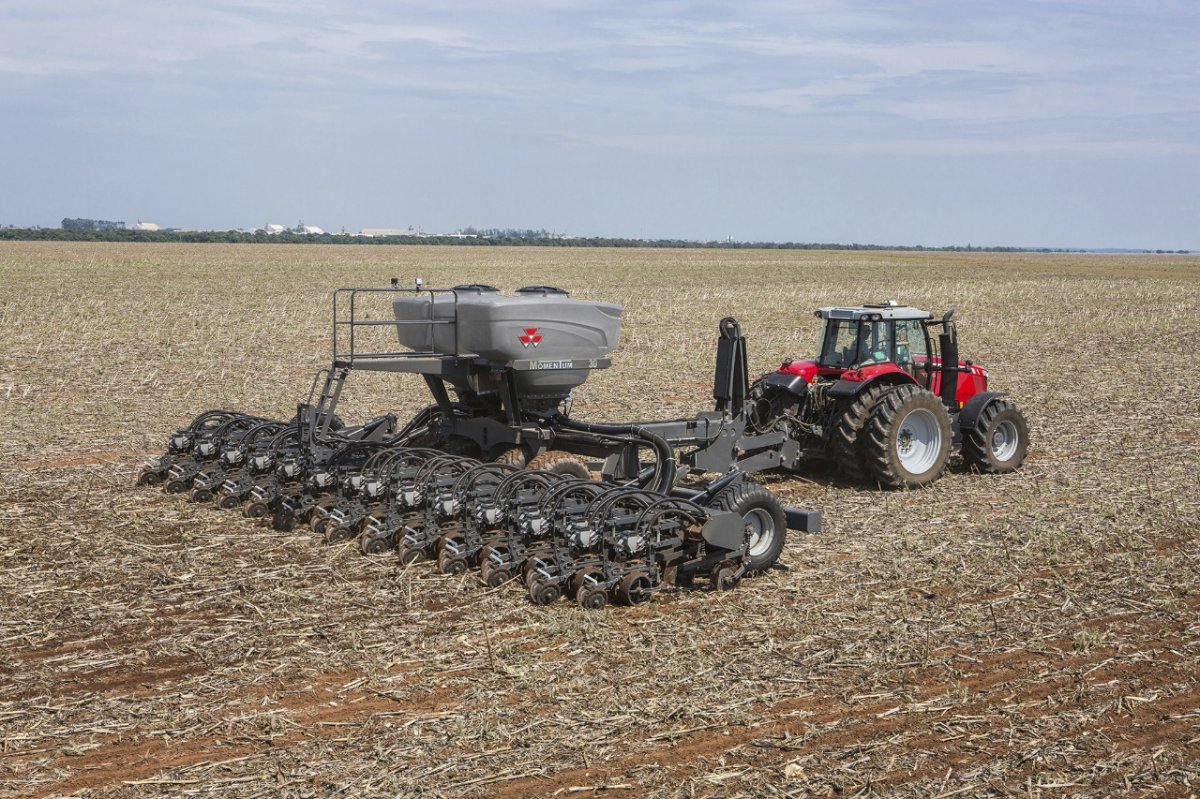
x=1027 y=635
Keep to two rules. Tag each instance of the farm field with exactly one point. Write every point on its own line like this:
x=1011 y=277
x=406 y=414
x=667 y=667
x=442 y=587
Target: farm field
x=1029 y=635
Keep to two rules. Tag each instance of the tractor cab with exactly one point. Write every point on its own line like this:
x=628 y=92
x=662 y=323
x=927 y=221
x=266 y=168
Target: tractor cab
x=852 y=338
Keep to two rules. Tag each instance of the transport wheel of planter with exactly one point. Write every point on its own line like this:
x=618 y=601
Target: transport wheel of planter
x=591 y=598
x=722 y=577
x=411 y=555
x=149 y=479
x=175 y=487
x=560 y=462
x=513 y=456
x=256 y=510
x=845 y=443
x=543 y=593
x=633 y=589
x=497 y=577
x=999 y=441
x=907 y=441
x=202 y=495
x=763 y=515
x=230 y=501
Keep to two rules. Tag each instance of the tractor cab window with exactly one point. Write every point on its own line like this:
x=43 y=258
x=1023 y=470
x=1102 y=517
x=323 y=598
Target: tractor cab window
x=874 y=342
x=839 y=343
x=846 y=343
x=911 y=349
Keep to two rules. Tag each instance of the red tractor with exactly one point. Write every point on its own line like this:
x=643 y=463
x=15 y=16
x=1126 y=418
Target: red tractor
x=888 y=401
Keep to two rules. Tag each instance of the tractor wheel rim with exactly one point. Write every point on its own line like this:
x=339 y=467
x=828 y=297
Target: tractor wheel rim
x=762 y=531
x=918 y=441
x=1004 y=441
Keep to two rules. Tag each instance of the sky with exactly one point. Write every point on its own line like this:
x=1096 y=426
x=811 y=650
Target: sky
x=939 y=122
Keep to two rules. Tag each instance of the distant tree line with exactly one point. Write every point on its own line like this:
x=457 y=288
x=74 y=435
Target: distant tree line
x=82 y=225
x=473 y=238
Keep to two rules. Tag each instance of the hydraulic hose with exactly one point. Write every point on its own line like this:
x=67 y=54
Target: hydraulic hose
x=665 y=469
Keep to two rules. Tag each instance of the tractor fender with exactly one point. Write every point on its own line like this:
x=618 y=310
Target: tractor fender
x=793 y=384
x=968 y=417
x=851 y=388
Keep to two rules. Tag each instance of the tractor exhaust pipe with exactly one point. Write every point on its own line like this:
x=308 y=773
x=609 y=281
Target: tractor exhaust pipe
x=948 y=343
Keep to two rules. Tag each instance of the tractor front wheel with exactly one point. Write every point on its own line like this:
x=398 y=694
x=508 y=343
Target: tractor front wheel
x=999 y=440
x=907 y=440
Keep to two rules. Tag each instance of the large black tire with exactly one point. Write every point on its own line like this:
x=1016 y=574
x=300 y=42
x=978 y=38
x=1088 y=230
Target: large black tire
x=906 y=442
x=560 y=462
x=845 y=443
x=998 y=442
x=513 y=456
x=763 y=511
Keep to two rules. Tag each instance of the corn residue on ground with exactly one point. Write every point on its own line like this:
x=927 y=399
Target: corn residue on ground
x=1034 y=634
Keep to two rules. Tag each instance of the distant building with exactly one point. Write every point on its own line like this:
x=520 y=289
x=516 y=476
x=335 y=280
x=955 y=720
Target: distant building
x=389 y=231
x=140 y=225
x=274 y=229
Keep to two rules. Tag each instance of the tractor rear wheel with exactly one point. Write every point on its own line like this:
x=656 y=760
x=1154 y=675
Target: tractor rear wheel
x=845 y=444
x=560 y=462
x=762 y=514
x=999 y=440
x=906 y=442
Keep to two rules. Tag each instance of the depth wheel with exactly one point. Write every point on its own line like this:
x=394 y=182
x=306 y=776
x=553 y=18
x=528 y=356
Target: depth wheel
x=591 y=598
x=907 y=440
x=411 y=555
x=724 y=577
x=451 y=564
x=497 y=577
x=633 y=589
x=149 y=479
x=999 y=441
x=256 y=510
x=230 y=501
x=543 y=593
x=371 y=544
x=336 y=533
x=202 y=495
x=579 y=579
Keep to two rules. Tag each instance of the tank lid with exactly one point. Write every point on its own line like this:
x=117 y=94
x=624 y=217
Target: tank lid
x=478 y=288
x=543 y=290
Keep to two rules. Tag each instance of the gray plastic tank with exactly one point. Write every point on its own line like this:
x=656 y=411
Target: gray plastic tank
x=431 y=318
x=539 y=330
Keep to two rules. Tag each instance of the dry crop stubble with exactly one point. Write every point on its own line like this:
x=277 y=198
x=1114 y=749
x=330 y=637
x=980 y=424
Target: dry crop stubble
x=1030 y=634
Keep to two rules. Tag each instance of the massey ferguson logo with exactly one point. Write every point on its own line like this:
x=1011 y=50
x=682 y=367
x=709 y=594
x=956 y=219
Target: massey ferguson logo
x=530 y=336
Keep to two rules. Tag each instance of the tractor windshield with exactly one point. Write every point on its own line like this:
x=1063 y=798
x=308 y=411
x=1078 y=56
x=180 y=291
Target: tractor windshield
x=846 y=343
